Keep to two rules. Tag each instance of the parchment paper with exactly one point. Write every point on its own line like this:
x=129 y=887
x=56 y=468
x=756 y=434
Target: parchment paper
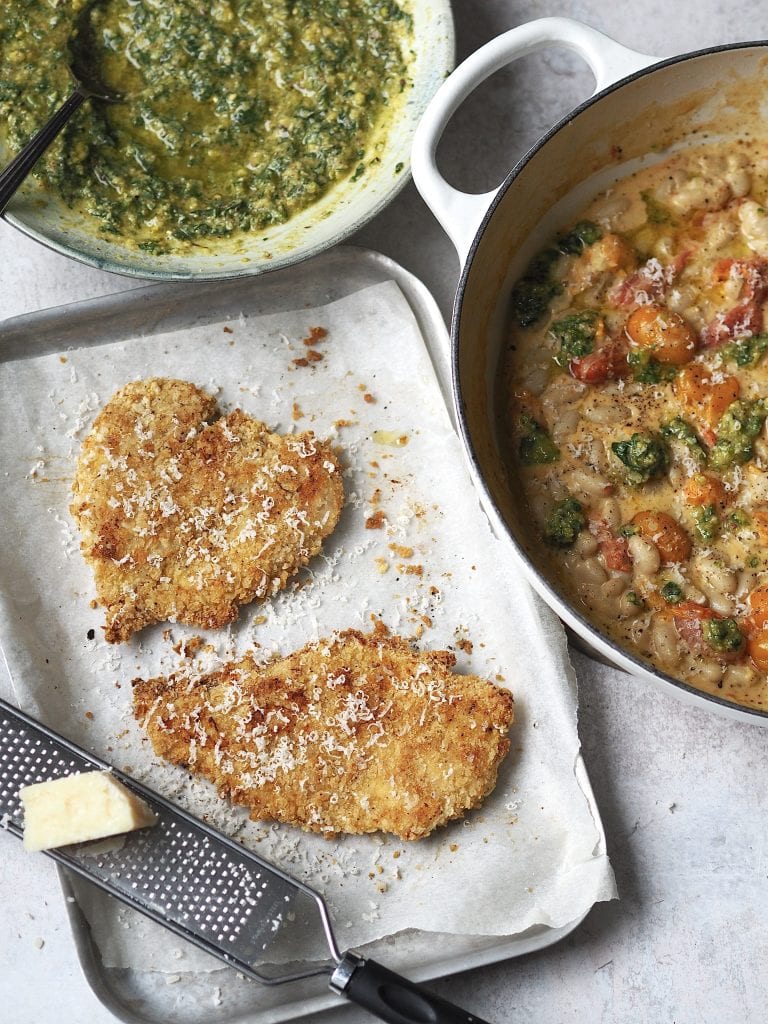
x=529 y=855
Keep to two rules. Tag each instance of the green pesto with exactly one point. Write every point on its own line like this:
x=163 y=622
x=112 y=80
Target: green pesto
x=537 y=287
x=564 y=523
x=644 y=456
x=741 y=422
x=656 y=212
x=536 y=445
x=681 y=430
x=581 y=235
x=672 y=592
x=576 y=334
x=707 y=523
x=738 y=519
x=648 y=370
x=240 y=113
x=746 y=351
x=723 y=635
x=530 y=298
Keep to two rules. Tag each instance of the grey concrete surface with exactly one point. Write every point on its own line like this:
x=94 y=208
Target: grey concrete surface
x=682 y=793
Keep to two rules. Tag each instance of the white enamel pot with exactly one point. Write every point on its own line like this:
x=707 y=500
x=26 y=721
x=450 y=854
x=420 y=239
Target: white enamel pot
x=641 y=106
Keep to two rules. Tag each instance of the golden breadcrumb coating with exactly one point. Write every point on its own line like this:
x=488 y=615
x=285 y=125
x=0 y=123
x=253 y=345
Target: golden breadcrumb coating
x=359 y=733
x=184 y=516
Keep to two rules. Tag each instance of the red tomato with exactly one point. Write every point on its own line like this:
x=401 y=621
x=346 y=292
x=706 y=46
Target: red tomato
x=745 y=319
x=689 y=618
x=607 y=363
x=615 y=550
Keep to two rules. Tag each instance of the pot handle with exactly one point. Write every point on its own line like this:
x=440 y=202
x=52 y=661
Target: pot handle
x=461 y=213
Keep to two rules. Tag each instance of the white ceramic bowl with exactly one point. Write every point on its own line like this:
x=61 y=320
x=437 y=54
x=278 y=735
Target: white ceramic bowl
x=344 y=208
x=642 y=105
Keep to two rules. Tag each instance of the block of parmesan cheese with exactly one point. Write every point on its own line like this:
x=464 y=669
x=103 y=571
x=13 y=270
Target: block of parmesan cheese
x=78 y=808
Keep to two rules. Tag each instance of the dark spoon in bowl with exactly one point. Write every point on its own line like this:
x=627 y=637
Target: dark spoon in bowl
x=85 y=87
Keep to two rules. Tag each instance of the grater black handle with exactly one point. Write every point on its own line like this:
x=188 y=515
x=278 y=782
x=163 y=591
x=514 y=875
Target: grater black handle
x=392 y=998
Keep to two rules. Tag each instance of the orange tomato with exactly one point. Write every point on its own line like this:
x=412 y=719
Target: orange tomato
x=758 y=607
x=613 y=252
x=705 y=490
x=670 y=538
x=704 y=397
x=665 y=334
x=757 y=645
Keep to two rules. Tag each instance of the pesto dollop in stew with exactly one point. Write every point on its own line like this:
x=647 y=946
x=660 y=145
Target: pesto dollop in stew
x=240 y=113
x=636 y=404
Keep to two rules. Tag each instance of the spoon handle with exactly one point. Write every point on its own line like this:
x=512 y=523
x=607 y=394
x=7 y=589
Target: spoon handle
x=17 y=170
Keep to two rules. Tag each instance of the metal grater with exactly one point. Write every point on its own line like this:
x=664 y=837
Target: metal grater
x=204 y=886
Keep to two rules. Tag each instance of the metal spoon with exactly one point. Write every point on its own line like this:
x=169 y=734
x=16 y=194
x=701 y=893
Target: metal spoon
x=86 y=87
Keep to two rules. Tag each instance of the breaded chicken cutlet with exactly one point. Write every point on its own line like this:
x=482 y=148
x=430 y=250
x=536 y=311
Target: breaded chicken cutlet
x=359 y=733
x=185 y=516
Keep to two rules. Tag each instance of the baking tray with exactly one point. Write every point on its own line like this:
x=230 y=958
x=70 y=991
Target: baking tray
x=143 y=998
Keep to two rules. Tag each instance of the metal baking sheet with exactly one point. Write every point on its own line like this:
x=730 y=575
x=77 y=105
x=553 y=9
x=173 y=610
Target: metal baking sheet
x=134 y=996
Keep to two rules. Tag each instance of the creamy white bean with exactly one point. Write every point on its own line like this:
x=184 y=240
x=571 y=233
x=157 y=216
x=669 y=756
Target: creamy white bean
x=636 y=390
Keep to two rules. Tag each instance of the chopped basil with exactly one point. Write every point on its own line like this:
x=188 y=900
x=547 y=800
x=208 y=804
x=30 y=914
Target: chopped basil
x=541 y=266
x=530 y=299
